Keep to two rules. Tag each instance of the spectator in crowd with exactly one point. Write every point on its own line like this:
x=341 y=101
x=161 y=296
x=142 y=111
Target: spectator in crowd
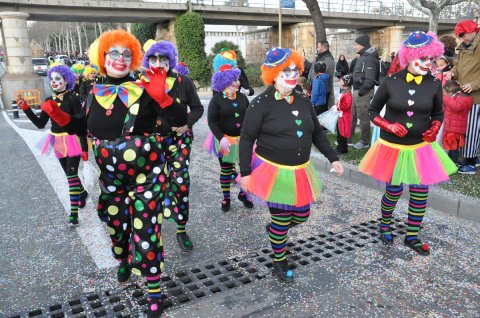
x=342 y=67
x=364 y=79
x=324 y=55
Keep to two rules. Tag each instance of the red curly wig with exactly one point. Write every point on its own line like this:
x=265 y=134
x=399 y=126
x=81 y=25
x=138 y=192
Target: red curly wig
x=119 y=37
x=269 y=74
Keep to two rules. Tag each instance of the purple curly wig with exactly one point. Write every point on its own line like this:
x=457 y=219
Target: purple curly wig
x=182 y=69
x=163 y=48
x=222 y=80
x=433 y=50
x=67 y=74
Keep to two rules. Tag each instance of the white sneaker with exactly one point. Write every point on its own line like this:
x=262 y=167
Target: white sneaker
x=360 y=145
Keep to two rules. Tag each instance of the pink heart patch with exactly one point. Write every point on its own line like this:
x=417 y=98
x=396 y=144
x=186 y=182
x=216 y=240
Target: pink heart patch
x=238 y=125
x=409 y=114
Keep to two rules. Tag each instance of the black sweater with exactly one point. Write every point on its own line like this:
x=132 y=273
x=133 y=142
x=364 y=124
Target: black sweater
x=184 y=93
x=414 y=106
x=226 y=116
x=110 y=127
x=284 y=133
x=70 y=104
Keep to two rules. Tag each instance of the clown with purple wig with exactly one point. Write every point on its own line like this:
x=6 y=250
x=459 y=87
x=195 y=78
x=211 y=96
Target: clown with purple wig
x=67 y=148
x=177 y=130
x=182 y=68
x=406 y=152
x=225 y=118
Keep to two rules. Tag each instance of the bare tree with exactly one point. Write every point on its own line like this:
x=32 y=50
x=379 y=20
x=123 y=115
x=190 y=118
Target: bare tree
x=433 y=8
x=316 y=13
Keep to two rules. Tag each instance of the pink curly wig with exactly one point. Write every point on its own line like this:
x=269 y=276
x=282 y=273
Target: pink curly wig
x=434 y=50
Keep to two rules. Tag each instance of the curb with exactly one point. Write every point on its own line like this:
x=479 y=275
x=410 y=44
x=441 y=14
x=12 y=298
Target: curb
x=461 y=206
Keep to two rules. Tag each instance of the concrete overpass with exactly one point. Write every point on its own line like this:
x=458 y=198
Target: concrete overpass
x=338 y=14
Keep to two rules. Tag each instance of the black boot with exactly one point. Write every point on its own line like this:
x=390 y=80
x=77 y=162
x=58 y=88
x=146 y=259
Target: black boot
x=418 y=246
x=386 y=237
x=83 y=199
x=73 y=219
x=155 y=307
x=243 y=198
x=124 y=271
x=281 y=271
x=184 y=241
x=226 y=205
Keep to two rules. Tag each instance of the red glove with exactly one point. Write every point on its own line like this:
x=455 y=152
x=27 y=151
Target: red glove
x=156 y=87
x=56 y=114
x=22 y=103
x=431 y=133
x=85 y=155
x=395 y=128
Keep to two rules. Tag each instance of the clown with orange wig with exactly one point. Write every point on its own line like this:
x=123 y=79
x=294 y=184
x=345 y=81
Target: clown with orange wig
x=284 y=126
x=121 y=119
x=406 y=152
x=226 y=112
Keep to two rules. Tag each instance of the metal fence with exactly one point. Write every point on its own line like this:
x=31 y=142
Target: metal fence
x=375 y=7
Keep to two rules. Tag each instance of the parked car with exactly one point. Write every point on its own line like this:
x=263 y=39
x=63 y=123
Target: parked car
x=63 y=59
x=40 y=66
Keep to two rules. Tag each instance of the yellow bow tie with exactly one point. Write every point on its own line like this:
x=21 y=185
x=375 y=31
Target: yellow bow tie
x=418 y=79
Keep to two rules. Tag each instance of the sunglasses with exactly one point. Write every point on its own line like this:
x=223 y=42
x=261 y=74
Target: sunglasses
x=461 y=35
x=127 y=55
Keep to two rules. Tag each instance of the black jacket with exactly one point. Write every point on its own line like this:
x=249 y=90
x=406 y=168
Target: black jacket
x=365 y=71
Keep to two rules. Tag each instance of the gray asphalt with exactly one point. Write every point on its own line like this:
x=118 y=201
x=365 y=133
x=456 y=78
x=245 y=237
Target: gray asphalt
x=46 y=262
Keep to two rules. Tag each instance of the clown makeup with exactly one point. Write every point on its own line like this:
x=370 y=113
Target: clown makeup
x=420 y=66
x=233 y=87
x=92 y=76
x=287 y=80
x=117 y=61
x=57 y=82
x=159 y=61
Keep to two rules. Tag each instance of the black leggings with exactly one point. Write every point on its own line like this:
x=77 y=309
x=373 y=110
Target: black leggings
x=70 y=165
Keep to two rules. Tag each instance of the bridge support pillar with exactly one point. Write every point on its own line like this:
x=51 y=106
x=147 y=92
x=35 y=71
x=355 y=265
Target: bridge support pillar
x=20 y=74
x=393 y=39
x=166 y=31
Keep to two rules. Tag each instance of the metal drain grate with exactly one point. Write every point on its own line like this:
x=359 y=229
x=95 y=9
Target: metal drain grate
x=196 y=283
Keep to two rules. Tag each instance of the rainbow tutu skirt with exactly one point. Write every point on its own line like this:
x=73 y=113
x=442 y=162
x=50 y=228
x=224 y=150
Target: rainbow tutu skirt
x=283 y=185
x=63 y=144
x=424 y=163
x=213 y=147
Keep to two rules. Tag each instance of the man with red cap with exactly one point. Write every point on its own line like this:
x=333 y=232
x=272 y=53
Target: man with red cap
x=467 y=72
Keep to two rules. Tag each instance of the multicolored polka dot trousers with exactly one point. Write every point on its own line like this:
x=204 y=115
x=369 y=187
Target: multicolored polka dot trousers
x=133 y=182
x=177 y=153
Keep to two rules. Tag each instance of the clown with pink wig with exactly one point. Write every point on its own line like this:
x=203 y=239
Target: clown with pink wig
x=406 y=152
x=68 y=148
x=225 y=118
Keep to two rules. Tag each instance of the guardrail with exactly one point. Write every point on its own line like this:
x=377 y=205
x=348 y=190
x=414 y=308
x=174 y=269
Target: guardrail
x=375 y=7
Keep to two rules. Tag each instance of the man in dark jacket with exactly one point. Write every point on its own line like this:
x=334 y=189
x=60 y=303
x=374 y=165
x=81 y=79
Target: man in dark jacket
x=324 y=55
x=364 y=77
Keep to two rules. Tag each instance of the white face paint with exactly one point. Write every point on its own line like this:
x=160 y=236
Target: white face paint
x=233 y=87
x=117 y=61
x=287 y=79
x=57 y=82
x=421 y=66
x=159 y=62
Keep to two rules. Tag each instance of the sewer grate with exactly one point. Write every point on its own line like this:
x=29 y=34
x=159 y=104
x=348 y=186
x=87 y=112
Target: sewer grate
x=208 y=279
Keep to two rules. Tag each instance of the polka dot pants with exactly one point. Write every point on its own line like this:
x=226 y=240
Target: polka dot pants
x=133 y=183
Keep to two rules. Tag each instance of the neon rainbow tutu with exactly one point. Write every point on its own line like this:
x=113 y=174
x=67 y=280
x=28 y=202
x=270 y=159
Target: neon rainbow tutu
x=283 y=185
x=424 y=163
x=213 y=146
x=63 y=144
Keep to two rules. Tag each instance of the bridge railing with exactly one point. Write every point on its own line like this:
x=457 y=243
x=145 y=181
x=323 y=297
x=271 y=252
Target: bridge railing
x=375 y=7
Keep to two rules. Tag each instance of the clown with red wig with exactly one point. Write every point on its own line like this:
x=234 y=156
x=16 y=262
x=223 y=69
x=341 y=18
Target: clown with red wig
x=406 y=152
x=68 y=148
x=284 y=126
x=178 y=131
x=121 y=118
x=226 y=112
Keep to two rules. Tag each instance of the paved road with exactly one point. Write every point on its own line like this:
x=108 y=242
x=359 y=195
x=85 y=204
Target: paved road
x=342 y=269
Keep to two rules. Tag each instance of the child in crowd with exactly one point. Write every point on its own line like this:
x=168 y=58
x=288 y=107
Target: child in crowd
x=344 y=106
x=443 y=64
x=319 y=96
x=455 y=107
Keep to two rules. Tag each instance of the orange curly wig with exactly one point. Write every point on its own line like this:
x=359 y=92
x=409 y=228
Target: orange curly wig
x=269 y=74
x=119 y=37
